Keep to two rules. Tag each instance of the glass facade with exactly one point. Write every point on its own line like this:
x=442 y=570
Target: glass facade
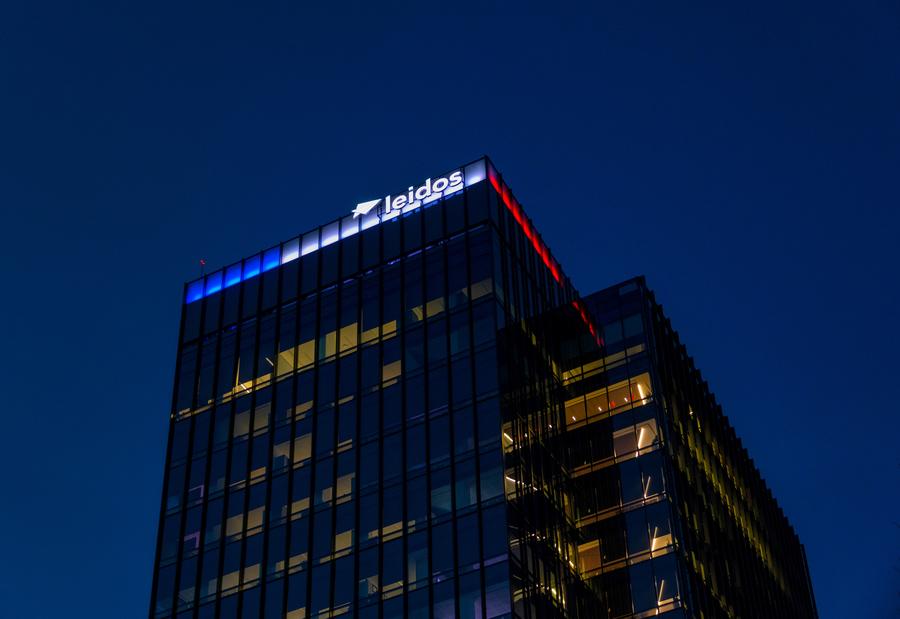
x=417 y=416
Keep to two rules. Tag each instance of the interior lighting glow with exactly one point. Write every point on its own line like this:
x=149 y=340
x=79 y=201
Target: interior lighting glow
x=251 y=267
x=213 y=283
x=194 y=291
x=349 y=226
x=330 y=233
x=271 y=259
x=233 y=275
x=291 y=251
x=310 y=243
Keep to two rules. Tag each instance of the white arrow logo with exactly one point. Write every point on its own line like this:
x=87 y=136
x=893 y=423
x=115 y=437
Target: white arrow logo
x=363 y=208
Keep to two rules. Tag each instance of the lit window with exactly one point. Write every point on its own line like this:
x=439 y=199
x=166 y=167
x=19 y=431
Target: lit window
x=214 y=282
x=647 y=434
x=349 y=226
x=589 y=557
x=271 y=259
x=233 y=275
x=290 y=251
x=624 y=442
x=195 y=291
x=330 y=233
x=310 y=243
x=251 y=267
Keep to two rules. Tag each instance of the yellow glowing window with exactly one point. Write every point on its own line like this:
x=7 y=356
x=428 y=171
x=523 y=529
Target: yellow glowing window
x=660 y=539
x=434 y=307
x=302 y=448
x=596 y=403
x=251 y=572
x=344 y=540
x=390 y=371
x=589 y=556
x=349 y=336
x=344 y=484
x=641 y=391
x=300 y=505
x=231 y=580
x=234 y=525
x=575 y=410
x=306 y=353
x=255 y=518
x=647 y=433
x=285 y=362
x=328 y=344
x=369 y=335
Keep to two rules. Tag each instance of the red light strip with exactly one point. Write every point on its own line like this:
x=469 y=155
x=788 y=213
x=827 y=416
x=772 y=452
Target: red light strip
x=513 y=206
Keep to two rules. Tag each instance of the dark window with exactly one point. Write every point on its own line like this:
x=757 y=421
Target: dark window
x=494 y=533
x=415 y=448
x=441 y=497
x=439 y=440
x=463 y=431
x=442 y=549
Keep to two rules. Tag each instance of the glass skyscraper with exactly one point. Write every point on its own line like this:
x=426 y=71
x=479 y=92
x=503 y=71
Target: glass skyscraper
x=410 y=412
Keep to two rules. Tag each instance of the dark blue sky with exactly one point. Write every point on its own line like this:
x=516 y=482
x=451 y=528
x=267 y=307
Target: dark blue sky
x=744 y=159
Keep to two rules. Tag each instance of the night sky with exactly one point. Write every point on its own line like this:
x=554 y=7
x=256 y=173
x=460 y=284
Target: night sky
x=745 y=159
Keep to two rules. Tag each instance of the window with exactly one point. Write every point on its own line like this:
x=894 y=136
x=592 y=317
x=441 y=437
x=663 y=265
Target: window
x=466 y=488
x=468 y=534
x=392 y=567
x=287 y=341
x=344 y=527
x=440 y=493
x=417 y=557
x=416 y=503
x=442 y=549
x=299 y=547
x=275 y=556
x=322 y=535
x=589 y=556
x=296 y=603
x=658 y=523
x=300 y=492
x=666 y=580
x=415 y=448
x=343 y=583
x=321 y=589
x=368 y=573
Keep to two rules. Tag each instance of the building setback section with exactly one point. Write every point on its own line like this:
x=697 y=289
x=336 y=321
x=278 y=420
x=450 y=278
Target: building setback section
x=410 y=412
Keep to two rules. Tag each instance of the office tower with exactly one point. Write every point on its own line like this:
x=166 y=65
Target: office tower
x=410 y=412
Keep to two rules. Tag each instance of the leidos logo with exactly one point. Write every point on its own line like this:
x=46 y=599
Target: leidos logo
x=363 y=208
x=416 y=196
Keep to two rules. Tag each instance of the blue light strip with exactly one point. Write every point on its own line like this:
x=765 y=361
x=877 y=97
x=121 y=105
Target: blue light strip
x=308 y=243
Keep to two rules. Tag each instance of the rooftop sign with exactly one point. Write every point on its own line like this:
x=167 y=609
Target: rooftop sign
x=364 y=216
x=429 y=191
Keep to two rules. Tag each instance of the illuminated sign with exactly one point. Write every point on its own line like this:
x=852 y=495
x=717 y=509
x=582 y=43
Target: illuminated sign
x=429 y=191
x=364 y=216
